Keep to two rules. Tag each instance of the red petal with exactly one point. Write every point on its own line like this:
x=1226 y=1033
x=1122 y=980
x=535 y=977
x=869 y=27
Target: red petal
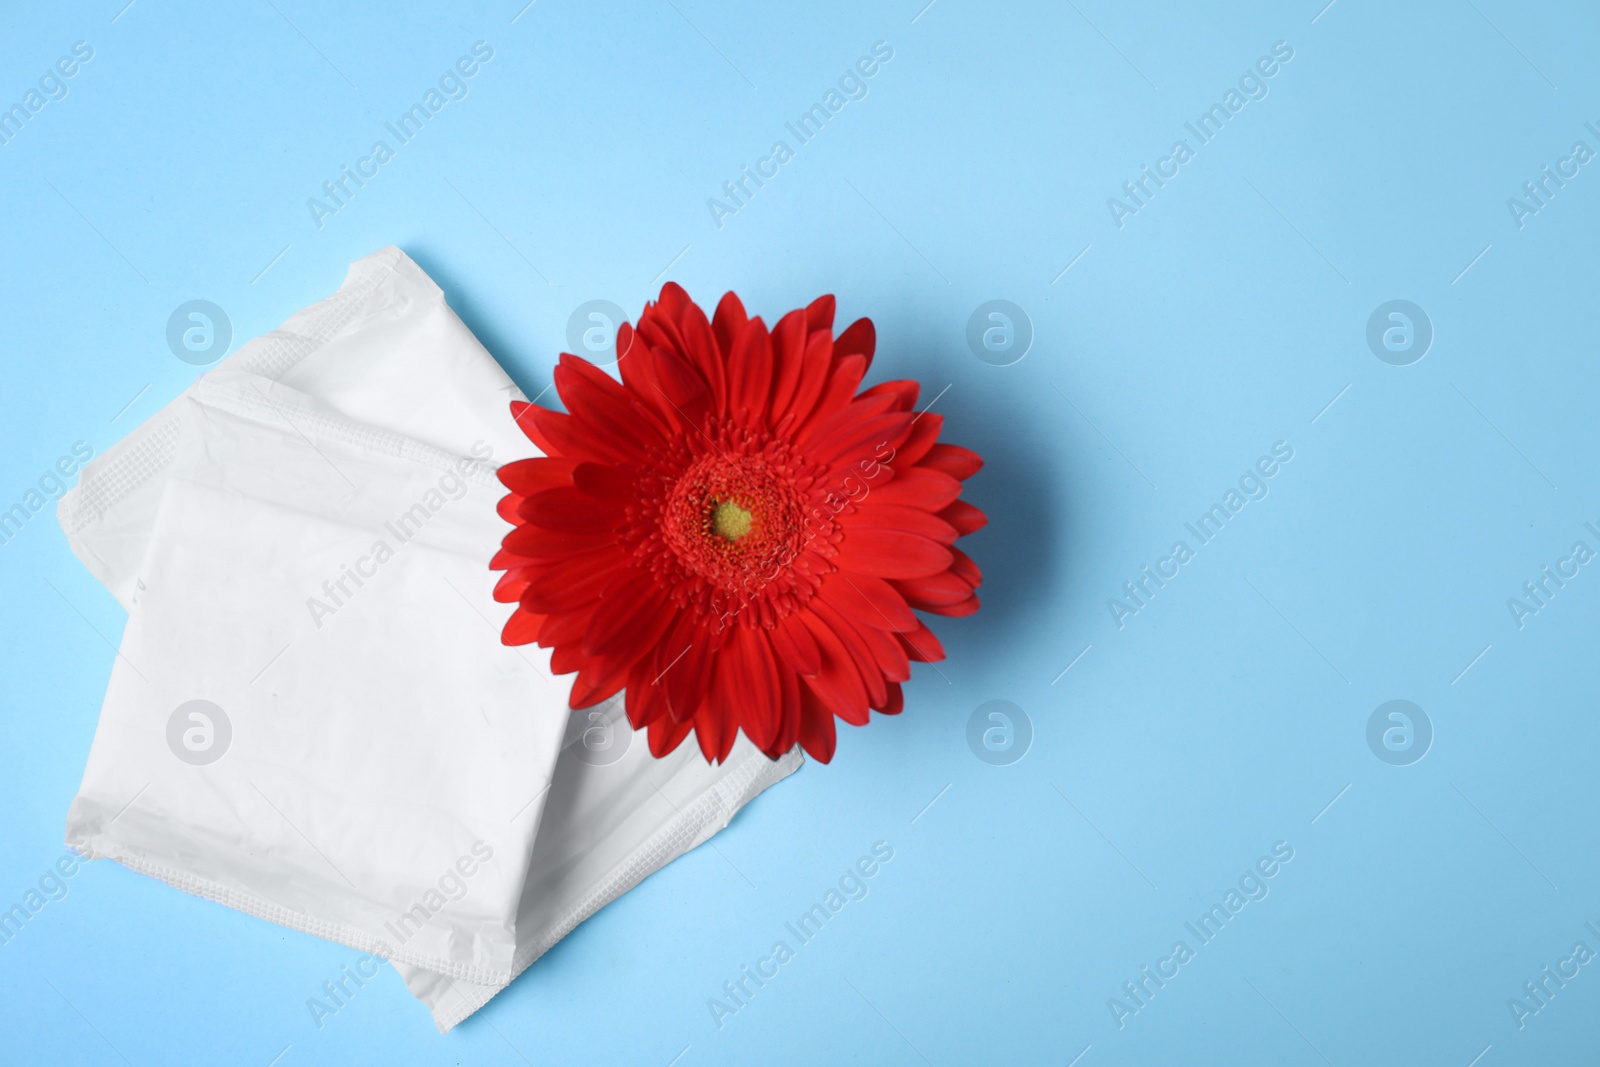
x=570 y=511
x=567 y=658
x=658 y=329
x=843 y=381
x=904 y=390
x=642 y=701
x=666 y=735
x=715 y=726
x=899 y=517
x=571 y=438
x=795 y=646
x=633 y=360
x=896 y=701
x=683 y=663
x=603 y=405
x=963 y=567
x=750 y=373
x=838 y=683
x=865 y=427
x=521 y=414
x=860 y=653
x=892 y=554
x=867 y=600
x=512 y=584
x=922 y=646
x=819 y=313
x=673 y=299
x=529 y=543
x=505 y=559
x=704 y=352
x=964 y=517
x=966 y=607
x=683 y=396
x=823 y=431
x=789 y=720
x=924 y=432
x=817 y=734
x=506 y=508
x=754 y=685
x=959 y=463
x=942 y=589
x=604 y=483
x=887 y=653
x=729 y=321
x=565 y=628
x=918 y=487
x=788 y=361
x=601 y=677
x=521 y=628
x=861 y=339
x=529 y=476
x=579 y=581
x=632 y=616
x=816 y=367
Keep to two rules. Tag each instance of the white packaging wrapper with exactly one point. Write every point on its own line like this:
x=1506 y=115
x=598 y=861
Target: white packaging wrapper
x=311 y=717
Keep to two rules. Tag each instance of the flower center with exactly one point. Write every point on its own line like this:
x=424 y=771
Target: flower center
x=735 y=520
x=730 y=520
x=741 y=530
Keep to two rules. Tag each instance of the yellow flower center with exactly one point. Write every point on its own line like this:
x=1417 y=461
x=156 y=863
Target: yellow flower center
x=730 y=520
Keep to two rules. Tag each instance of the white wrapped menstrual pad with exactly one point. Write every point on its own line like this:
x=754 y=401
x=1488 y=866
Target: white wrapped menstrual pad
x=301 y=541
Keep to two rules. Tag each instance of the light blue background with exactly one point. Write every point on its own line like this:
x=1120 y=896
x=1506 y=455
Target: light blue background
x=1224 y=317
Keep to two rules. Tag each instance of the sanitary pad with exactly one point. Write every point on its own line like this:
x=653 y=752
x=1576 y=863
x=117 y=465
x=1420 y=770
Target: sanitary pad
x=311 y=717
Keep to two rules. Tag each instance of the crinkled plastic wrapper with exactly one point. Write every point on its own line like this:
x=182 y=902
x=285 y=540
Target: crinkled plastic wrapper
x=311 y=717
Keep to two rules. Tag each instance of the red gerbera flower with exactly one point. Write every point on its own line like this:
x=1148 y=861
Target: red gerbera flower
x=733 y=532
